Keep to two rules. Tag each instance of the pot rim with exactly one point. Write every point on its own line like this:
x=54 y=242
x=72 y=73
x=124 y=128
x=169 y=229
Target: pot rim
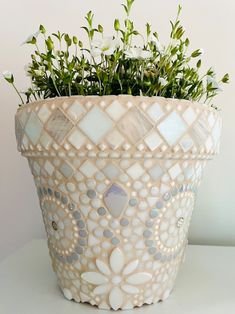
x=172 y=100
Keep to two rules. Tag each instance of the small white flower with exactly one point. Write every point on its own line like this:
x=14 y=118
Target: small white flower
x=157 y=44
x=162 y=81
x=30 y=37
x=106 y=46
x=7 y=75
x=40 y=71
x=211 y=80
x=115 y=279
x=138 y=53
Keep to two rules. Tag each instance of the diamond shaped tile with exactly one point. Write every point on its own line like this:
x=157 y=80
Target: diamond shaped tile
x=155 y=172
x=186 y=143
x=153 y=140
x=200 y=130
x=114 y=139
x=45 y=140
x=172 y=128
x=33 y=128
x=111 y=171
x=134 y=125
x=49 y=167
x=115 y=199
x=23 y=116
x=155 y=112
x=175 y=171
x=66 y=170
x=116 y=110
x=88 y=168
x=58 y=126
x=216 y=132
x=44 y=113
x=18 y=131
x=76 y=110
x=76 y=138
x=135 y=171
x=211 y=119
x=95 y=124
x=189 y=115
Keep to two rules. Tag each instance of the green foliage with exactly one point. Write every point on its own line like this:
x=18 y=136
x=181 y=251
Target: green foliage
x=115 y=65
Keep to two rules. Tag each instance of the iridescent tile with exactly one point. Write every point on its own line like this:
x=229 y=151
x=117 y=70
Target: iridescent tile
x=135 y=171
x=111 y=171
x=153 y=140
x=115 y=199
x=23 y=116
x=49 y=167
x=58 y=126
x=114 y=139
x=155 y=112
x=200 y=130
x=186 y=143
x=66 y=170
x=45 y=140
x=76 y=138
x=175 y=171
x=33 y=128
x=189 y=115
x=88 y=168
x=116 y=110
x=95 y=124
x=134 y=125
x=76 y=110
x=44 y=113
x=155 y=172
x=172 y=128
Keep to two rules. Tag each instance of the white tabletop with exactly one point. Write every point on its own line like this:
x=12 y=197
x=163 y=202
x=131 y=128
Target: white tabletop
x=205 y=285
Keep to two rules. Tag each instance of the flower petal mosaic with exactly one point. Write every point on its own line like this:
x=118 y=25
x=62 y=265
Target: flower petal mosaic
x=117 y=178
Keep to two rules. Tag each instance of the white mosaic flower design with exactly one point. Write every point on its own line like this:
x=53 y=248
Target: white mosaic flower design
x=116 y=279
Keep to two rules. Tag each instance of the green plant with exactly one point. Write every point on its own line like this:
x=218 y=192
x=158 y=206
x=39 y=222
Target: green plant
x=115 y=65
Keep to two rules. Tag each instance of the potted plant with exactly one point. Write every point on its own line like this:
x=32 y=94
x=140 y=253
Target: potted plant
x=116 y=136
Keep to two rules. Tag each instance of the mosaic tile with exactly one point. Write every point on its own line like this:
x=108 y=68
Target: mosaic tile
x=135 y=171
x=155 y=172
x=153 y=140
x=134 y=125
x=114 y=139
x=189 y=115
x=95 y=124
x=111 y=171
x=115 y=199
x=186 y=143
x=116 y=110
x=45 y=140
x=172 y=128
x=76 y=110
x=66 y=170
x=33 y=128
x=49 y=167
x=76 y=138
x=44 y=113
x=88 y=169
x=155 y=112
x=58 y=126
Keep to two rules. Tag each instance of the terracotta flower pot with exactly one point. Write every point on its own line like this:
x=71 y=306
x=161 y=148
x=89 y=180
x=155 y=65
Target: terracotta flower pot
x=116 y=178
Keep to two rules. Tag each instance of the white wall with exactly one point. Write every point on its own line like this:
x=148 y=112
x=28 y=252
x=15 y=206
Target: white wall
x=210 y=24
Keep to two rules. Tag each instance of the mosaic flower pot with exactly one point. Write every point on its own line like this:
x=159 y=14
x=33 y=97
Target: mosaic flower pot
x=116 y=178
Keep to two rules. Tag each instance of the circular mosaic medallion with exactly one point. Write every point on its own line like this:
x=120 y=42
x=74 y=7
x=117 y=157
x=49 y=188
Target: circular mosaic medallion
x=65 y=227
x=167 y=227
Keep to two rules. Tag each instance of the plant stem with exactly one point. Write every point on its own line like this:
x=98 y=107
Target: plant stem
x=18 y=93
